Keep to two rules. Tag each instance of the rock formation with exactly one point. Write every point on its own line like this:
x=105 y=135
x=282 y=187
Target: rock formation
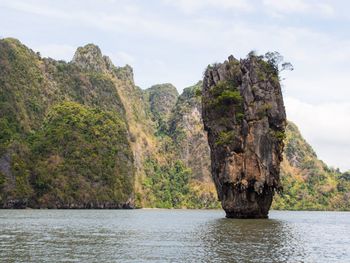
x=90 y=57
x=82 y=135
x=64 y=136
x=187 y=132
x=244 y=116
x=162 y=99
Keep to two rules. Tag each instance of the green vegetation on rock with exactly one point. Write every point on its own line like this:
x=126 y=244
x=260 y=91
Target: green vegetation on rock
x=82 y=156
x=225 y=137
x=169 y=186
x=81 y=134
x=161 y=99
x=225 y=93
x=308 y=183
x=64 y=138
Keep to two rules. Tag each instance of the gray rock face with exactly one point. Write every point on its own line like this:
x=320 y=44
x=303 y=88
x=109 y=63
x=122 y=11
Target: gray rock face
x=90 y=58
x=244 y=115
x=5 y=165
x=187 y=131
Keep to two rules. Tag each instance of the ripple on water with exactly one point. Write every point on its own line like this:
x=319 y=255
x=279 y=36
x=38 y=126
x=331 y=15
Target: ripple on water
x=171 y=236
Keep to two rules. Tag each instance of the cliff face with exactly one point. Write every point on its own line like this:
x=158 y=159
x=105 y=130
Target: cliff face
x=191 y=144
x=64 y=139
x=308 y=183
x=90 y=58
x=244 y=116
x=82 y=135
x=178 y=174
x=162 y=99
x=187 y=131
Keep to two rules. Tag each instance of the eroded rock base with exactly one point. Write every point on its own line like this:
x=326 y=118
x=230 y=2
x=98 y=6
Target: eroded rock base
x=248 y=204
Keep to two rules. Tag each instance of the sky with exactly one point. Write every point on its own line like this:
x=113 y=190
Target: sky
x=173 y=41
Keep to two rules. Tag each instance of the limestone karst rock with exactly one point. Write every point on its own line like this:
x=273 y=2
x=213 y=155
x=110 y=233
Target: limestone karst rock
x=64 y=133
x=90 y=57
x=65 y=125
x=187 y=131
x=162 y=99
x=244 y=116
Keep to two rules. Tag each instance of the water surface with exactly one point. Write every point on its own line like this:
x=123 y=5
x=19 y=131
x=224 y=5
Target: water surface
x=172 y=236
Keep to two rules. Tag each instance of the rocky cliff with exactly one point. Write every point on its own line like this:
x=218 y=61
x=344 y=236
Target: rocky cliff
x=82 y=135
x=187 y=131
x=162 y=99
x=178 y=175
x=308 y=183
x=244 y=116
x=64 y=137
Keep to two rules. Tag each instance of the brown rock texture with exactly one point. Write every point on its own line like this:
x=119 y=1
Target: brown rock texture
x=244 y=115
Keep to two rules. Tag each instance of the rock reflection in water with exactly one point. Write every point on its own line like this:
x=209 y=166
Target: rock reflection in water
x=262 y=240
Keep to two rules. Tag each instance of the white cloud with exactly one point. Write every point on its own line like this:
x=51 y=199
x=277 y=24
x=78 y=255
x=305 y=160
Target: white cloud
x=326 y=127
x=191 y=6
x=59 y=52
x=286 y=5
x=118 y=18
x=121 y=58
x=279 y=7
x=33 y=8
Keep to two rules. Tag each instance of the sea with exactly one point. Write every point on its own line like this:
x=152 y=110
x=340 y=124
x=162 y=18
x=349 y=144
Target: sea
x=157 y=235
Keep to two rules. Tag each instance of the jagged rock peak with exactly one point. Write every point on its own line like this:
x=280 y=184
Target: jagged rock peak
x=163 y=94
x=124 y=73
x=89 y=57
x=17 y=46
x=244 y=116
x=165 y=87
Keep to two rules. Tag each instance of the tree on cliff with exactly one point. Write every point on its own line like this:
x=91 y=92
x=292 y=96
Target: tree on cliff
x=277 y=61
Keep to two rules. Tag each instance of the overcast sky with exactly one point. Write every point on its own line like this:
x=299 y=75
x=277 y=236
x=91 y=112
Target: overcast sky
x=173 y=41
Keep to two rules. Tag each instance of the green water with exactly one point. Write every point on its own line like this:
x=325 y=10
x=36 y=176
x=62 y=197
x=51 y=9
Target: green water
x=172 y=236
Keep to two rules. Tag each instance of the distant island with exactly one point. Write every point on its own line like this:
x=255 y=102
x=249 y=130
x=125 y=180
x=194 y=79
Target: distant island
x=82 y=135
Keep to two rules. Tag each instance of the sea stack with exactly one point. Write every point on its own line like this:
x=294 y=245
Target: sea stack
x=244 y=115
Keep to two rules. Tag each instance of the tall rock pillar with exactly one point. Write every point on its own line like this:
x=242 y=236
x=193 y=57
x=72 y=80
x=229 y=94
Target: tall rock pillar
x=244 y=115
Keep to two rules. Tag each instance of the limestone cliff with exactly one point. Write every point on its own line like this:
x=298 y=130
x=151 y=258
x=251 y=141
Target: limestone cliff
x=187 y=131
x=161 y=99
x=64 y=137
x=90 y=57
x=191 y=144
x=82 y=135
x=308 y=183
x=244 y=116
